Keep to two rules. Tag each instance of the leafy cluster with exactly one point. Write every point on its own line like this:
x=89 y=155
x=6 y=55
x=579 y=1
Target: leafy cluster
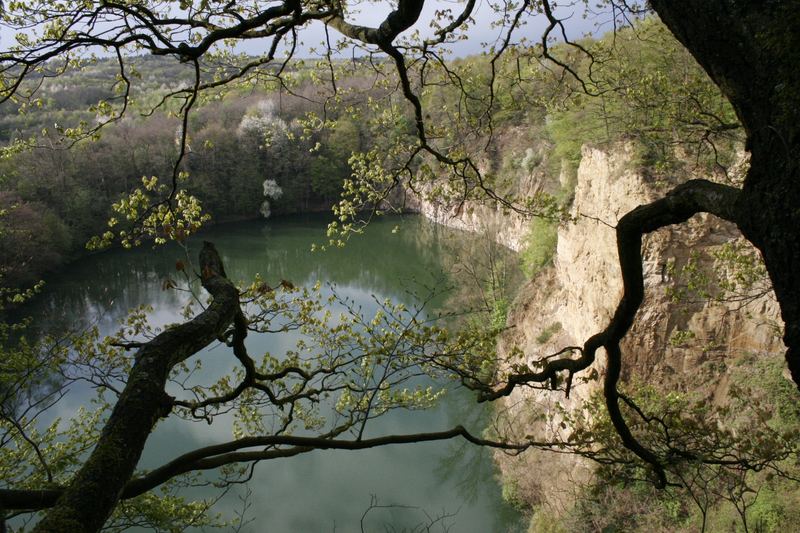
x=645 y=87
x=732 y=462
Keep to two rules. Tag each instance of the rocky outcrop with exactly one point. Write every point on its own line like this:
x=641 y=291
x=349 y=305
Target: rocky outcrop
x=685 y=346
x=508 y=229
x=689 y=345
x=525 y=161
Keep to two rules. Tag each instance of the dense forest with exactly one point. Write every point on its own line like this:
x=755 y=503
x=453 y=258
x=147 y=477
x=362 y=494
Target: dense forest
x=56 y=195
x=58 y=191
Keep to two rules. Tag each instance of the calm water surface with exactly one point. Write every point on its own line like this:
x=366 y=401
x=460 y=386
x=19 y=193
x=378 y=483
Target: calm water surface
x=322 y=490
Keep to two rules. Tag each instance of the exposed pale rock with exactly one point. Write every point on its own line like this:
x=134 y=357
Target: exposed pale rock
x=509 y=229
x=581 y=292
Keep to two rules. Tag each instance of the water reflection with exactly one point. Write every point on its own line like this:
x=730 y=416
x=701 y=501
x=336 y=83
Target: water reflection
x=321 y=490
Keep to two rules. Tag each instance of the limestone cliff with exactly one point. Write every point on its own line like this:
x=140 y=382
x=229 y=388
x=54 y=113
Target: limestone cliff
x=521 y=165
x=686 y=346
x=508 y=229
x=689 y=345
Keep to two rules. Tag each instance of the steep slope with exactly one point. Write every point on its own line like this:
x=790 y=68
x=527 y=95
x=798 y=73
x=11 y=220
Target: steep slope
x=686 y=344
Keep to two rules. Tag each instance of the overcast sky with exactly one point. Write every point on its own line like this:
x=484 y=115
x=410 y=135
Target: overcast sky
x=481 y=36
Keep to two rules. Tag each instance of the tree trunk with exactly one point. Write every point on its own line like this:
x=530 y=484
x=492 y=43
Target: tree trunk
x=769 y=213
x=752 y=51
x=95 y=490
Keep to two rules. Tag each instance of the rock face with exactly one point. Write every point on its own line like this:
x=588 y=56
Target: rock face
x=688 y=345
x=525 y=158
x=576 y=297
x=508 y=229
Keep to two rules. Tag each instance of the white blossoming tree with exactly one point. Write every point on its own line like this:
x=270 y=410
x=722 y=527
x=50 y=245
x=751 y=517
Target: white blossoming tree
x=272 y=191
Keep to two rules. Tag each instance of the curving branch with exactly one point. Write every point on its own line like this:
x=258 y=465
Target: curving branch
x=398 y=21
x=443 y=33
x=680 y=204
x=553 y=23
x=111 y=464
x=219 y=455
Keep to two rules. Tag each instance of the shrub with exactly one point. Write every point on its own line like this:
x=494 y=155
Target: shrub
x=548 y=332
x=540 y=246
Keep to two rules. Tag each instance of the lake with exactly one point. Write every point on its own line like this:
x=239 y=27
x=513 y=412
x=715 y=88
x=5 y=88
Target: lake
x=412 y=485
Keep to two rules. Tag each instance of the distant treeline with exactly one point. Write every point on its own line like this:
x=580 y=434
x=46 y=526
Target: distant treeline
x=299 y=136
x=54 y=199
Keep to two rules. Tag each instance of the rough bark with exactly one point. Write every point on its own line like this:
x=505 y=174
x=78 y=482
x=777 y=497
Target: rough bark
x=396 y=22
x=94 y=492
x=752 y=51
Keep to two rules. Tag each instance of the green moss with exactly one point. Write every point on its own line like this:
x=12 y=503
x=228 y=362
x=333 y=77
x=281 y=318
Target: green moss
x=510 y=493
x=499 y=313
x=545 y=521
x=540 y=246
x=548 y=332
x=680 y=337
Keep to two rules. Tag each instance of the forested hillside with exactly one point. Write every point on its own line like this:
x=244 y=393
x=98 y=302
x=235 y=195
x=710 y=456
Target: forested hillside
x=59 y=190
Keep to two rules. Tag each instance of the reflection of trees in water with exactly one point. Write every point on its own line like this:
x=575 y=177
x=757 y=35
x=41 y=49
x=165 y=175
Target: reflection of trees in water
x=103 y=288
x=484 y=275
x=471 y=469
x=385 y=261
x=97 y=291
x=422 y=256
x=398 y=517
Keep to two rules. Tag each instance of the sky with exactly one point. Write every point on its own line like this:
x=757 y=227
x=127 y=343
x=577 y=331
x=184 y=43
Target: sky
x=481 y=36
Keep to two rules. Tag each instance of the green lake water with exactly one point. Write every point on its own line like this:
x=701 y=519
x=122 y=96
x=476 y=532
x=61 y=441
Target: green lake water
x=322 y=490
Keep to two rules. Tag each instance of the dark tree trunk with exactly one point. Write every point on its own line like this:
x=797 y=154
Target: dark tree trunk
x=769 y=213
x=751 y=49
x=95 y=491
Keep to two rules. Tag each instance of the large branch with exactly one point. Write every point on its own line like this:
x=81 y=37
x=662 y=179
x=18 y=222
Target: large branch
x=219 y=455
x=94 y=492
x=396 y=22
x=676 y=207
x=754 y=62
x=750 y=55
